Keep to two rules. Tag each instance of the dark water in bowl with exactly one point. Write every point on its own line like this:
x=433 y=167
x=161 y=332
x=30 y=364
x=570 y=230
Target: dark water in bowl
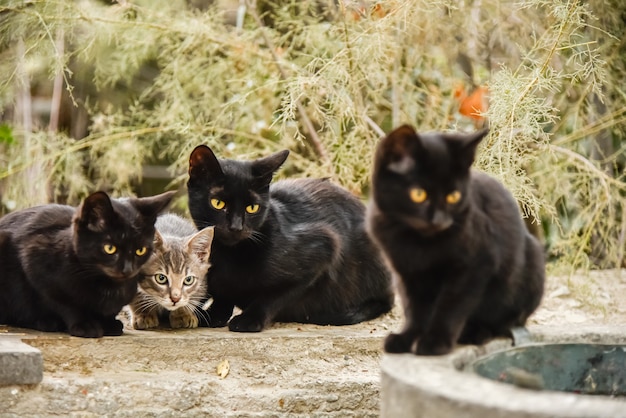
x=592 y=369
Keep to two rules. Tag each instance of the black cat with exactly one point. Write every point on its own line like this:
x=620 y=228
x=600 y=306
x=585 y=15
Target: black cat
x=297 y=251
x=73 y=269
x=468 y=269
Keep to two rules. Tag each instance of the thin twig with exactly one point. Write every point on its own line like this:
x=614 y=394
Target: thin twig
x=395 y=93
x=33 y=175
x=183 y=30
x=374 y=126
x=612 y=119
x=82 y=144
x=57 y=89
x=601 y=175
x=24 y=99
x=258 y=138
x=313 y=138
x=543 y=68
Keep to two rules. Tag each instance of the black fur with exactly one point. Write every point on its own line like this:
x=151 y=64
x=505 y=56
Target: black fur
x=467 y=271
x=54 y=272
x=303 y=257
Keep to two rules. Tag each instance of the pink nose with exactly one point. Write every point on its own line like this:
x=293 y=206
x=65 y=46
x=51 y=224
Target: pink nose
x=174 y=299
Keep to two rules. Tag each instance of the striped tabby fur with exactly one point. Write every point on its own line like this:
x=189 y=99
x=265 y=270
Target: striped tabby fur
x=173 y=282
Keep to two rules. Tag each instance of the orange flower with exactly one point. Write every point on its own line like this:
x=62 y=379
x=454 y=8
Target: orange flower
x=473 y=105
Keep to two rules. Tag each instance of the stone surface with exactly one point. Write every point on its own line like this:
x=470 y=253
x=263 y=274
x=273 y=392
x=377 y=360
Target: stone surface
x=19 y=363
x=290 y=370
x=282 y=372
x=440 y=387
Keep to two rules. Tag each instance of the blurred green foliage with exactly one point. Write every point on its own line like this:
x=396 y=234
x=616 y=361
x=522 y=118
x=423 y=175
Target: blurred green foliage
x=6 y=134
x=145 y=81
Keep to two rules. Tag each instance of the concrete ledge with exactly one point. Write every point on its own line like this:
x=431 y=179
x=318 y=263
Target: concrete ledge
x=20 y=364
x=287 y=371
x=439 y=387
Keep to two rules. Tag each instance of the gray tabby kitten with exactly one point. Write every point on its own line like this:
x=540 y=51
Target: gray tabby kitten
x=173 y=281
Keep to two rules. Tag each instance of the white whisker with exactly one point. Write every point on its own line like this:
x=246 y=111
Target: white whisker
x=257 y=237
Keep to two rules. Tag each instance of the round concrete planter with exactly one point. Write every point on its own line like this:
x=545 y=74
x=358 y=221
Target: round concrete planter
x=438 y=387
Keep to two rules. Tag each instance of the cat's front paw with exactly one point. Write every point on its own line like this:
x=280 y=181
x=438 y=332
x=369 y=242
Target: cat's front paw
x=398 y=343
x=434 y=347
x=146 y=321
x=246 y=323
x=86 y=329
x=182 y=318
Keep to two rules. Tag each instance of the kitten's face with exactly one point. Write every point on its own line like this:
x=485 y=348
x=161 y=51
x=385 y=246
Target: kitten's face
x=116 y=236
x=231 y=195
x=175 y=275
x=422 y=180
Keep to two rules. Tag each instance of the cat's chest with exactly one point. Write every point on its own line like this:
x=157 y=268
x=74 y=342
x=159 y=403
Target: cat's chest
x=89 y=289
x=103 y=295
x=237 y=267
x=435 y=259
x=410 y=252
x=110 y=298
x=405 y=242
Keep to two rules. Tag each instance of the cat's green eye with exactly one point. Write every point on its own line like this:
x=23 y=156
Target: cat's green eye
x=109 y=249
x=141 y=251
x=218 y=204
x=418 y=195
x=453 y=197
x=160 y=278
x=252 y=208
x=189 y=280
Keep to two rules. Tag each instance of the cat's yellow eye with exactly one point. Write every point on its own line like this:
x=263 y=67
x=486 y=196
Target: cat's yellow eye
x=160 y=278
x=218 y=204
x=418 y=195
x=252 y=208
x=109 y=249
x=188 y=281
x=453 y=197
x=141 y=251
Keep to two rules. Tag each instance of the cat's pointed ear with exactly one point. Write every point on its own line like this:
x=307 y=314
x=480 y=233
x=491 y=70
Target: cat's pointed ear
x=158 y=241
x=200 y=243
x=95 y=212
x=151 y=206
x=464 y=145
x=395 y=151
x=263 y=169
x=203 y=164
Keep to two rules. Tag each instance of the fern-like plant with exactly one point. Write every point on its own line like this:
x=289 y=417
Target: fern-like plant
x=325 y=79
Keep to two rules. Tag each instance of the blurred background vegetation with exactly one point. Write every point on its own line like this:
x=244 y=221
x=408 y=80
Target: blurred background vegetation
x=114 y=95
